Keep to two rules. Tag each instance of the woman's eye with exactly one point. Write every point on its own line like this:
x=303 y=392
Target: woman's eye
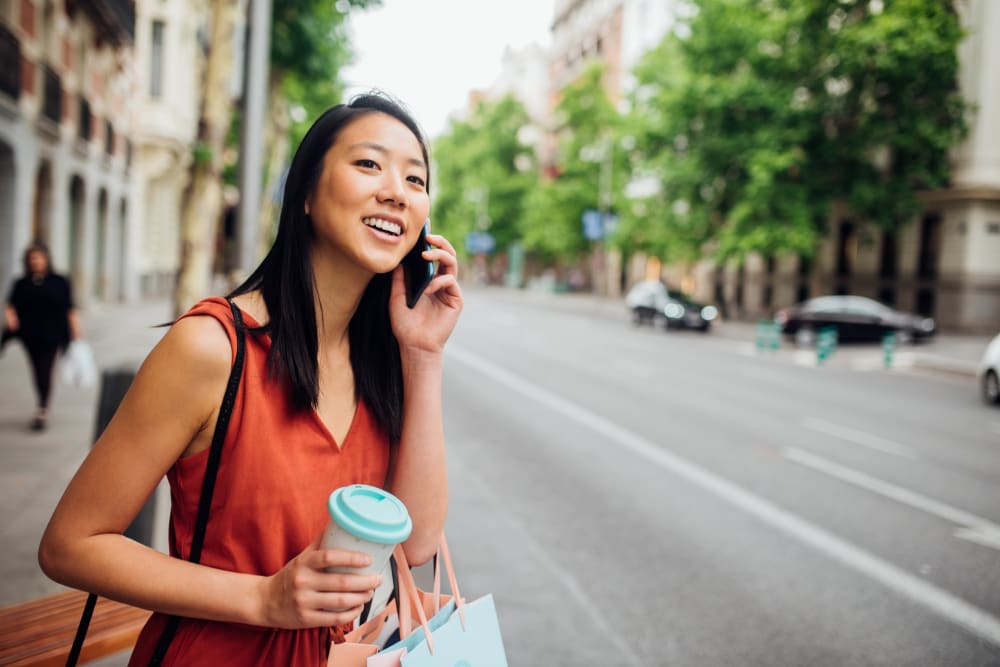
x=416 y=179
x=367 y=164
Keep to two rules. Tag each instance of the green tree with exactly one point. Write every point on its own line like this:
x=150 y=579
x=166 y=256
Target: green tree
x=587 y=131
x=767 y=112
x=483 y=173
x=309 y=47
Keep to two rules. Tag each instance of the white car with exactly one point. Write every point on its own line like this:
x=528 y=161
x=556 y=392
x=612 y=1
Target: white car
x=989 y=372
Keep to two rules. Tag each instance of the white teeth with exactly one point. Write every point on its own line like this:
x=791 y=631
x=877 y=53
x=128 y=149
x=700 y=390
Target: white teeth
x=384 y=225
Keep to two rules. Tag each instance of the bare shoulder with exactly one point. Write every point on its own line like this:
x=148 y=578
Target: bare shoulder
x=200 y=342
x=189 y=368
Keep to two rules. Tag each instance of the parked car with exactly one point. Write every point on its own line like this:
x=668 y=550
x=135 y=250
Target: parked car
x=651 y=301
x=856 y=318
x=989 y=372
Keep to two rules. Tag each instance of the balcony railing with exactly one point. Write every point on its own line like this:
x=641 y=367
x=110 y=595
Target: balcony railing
x=10 y=52
x=52 y=103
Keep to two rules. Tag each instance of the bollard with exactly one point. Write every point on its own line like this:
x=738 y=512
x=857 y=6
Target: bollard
x=761 y=338
x=826 y=344
x=114 y=383
x=768 y=335
x=888 y=347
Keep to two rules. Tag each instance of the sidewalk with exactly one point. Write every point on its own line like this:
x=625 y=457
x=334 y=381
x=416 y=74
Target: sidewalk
x=36 y=467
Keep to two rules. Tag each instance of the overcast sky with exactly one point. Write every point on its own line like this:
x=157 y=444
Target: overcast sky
x=431 y=53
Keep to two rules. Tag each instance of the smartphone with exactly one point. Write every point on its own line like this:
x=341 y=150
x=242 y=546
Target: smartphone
x=417 y=271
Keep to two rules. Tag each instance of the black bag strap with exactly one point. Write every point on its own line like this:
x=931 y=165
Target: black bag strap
x=211 y=471
x=204 y=503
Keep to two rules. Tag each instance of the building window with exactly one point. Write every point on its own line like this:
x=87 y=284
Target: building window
x=156 y=61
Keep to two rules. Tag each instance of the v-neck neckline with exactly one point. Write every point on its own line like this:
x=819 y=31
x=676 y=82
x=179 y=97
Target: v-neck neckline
x=251 y=322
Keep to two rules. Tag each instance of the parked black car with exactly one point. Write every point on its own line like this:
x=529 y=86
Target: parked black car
x=856 y=318
x=651 y=301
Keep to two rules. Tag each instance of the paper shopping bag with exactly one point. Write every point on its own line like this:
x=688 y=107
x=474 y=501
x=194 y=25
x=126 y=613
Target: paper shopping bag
x=469 y=635
x=476 y=641
x=361 y=644
x=386 y=658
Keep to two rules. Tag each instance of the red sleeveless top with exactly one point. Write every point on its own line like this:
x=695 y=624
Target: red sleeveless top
x=277 y=469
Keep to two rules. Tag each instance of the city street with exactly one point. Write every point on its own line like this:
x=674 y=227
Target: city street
x=632 y=496
x=636 y=497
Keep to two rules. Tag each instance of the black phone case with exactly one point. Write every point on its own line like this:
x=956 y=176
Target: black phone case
x=417 y=271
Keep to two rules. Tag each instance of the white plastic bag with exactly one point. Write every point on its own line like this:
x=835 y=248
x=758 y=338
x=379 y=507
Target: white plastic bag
x=78 y=368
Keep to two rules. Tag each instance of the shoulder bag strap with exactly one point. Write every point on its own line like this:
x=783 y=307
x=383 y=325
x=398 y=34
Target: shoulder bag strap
x=211 y=471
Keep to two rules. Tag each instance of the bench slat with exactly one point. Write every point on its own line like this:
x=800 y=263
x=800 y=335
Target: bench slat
x=40 y=632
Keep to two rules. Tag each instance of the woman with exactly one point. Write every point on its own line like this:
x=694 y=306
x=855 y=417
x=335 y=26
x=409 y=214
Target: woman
x=40 y=312
x=341 y=385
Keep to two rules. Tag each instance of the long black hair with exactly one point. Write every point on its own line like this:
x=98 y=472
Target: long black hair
x=286 y=282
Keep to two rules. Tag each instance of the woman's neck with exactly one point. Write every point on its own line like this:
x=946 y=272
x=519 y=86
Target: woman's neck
x=339 y=288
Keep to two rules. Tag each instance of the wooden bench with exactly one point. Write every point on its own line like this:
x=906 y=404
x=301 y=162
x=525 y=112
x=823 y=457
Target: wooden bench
x=41 y=632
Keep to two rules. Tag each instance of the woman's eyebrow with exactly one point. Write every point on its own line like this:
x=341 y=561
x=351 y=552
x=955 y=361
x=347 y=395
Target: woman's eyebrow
x=417 y=162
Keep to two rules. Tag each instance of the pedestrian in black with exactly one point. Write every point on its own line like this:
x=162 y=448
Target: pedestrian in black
x=40 y=312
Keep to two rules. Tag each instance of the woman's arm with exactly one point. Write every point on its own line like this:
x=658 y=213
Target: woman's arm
x=75 y=331
x=170 y=411
x=10 y=318
x=419 y=474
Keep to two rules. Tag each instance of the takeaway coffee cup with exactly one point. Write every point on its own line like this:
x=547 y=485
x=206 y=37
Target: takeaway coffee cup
x=366 y=518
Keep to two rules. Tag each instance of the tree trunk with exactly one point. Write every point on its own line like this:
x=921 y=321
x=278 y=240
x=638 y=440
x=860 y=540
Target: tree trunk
x=202 y=206
x=276 y=148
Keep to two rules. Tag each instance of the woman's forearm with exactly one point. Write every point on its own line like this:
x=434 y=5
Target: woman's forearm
x=420 y=477
x=75 y=331
x=116 y=567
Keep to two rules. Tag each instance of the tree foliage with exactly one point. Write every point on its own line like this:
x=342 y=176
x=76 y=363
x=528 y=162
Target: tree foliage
x=766 y=112
x=586 y=126
x=309 y=46
x=481 y=167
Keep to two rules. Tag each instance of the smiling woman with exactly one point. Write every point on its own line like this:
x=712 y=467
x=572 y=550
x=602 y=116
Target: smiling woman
x=340 y=385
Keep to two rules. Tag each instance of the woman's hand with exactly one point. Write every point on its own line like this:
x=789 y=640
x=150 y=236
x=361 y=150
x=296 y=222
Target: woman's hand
x=11 y=323
x=303 y=595
x=427 y=326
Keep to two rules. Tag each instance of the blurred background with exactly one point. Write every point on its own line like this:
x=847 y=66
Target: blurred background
x=667 y=447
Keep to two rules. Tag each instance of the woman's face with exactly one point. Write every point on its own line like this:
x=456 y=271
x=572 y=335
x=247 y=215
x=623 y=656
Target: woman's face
x=37 y=262
x=371 y=199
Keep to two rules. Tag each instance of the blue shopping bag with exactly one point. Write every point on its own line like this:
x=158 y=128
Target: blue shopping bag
x=474 y=641
x=468 y=637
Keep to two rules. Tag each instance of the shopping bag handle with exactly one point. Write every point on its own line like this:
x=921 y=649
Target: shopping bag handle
x=409 y=598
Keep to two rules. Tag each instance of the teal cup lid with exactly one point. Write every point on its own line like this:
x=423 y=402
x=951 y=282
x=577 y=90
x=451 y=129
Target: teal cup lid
x=370 y=513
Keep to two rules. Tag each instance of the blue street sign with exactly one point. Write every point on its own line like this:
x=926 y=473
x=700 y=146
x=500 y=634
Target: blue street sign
x=593 y=230
x=597 y=225
x=480 y=243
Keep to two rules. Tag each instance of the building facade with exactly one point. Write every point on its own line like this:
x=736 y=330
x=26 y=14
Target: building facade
x=65 y=139
x=168 y=41
x=945 y=264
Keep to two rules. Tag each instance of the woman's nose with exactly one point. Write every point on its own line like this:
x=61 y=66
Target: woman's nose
x=392 y=190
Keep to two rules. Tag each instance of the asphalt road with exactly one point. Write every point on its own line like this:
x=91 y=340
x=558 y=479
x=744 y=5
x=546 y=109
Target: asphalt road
x=636 y=497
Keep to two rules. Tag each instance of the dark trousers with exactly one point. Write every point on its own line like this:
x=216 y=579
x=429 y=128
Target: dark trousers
x=43 y=360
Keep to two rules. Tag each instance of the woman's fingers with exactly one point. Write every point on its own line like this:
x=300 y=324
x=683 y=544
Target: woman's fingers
x=441 y=242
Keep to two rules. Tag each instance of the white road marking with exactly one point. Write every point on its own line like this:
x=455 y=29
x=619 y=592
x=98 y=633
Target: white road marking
x=858 y=437
x=937 y=600
x=973 y=528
